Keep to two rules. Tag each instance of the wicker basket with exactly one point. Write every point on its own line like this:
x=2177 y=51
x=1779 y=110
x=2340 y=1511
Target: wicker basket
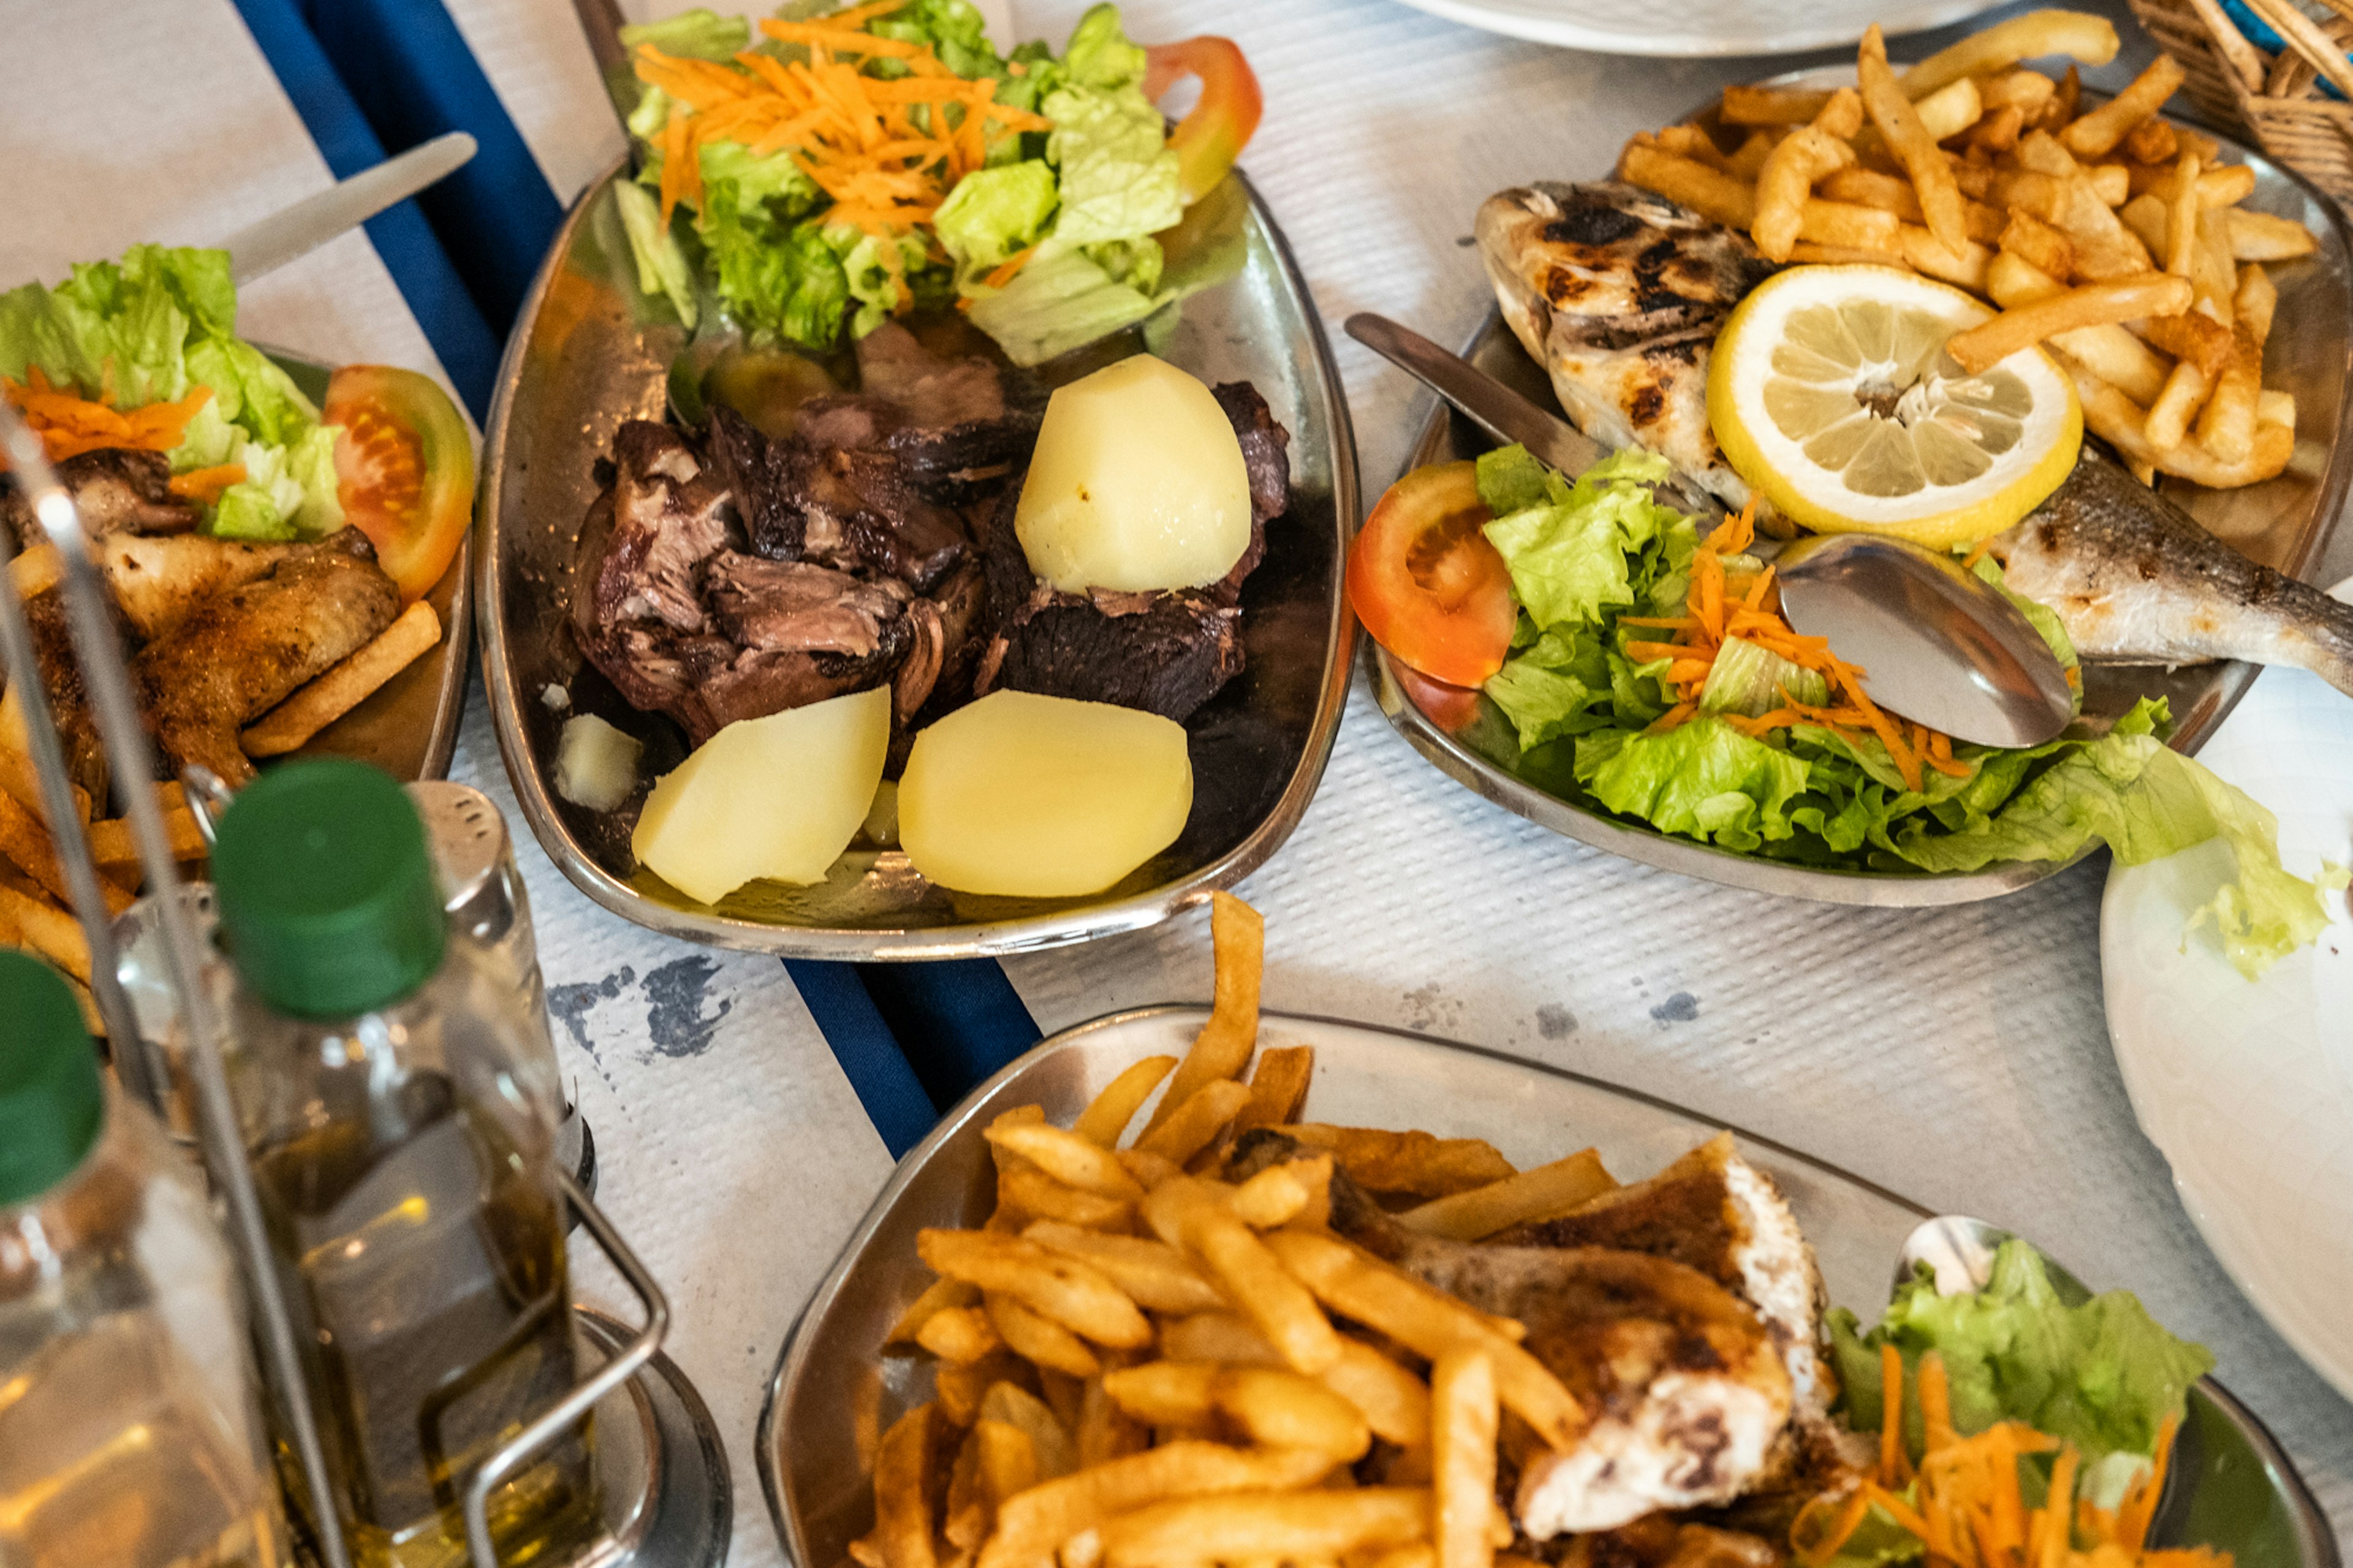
x=2275 y=100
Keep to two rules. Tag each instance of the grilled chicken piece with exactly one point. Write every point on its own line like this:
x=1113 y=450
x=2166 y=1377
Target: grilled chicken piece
x=158 y=578
x=239 y=653
x=53 y=654
x=1659 y=1541
x=1619 y=294
x=1685 y=1392
x=116 y=489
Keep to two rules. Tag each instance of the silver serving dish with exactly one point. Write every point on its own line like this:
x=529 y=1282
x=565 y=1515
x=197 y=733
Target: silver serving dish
x=591 y=350
x=408 y=726
x=834 y=1393
x=2284 y=523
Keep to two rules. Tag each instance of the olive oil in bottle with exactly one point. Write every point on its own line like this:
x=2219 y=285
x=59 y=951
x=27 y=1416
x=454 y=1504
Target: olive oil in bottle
x=402 y=1135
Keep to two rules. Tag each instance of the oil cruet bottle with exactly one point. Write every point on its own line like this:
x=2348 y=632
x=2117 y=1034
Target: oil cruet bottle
x=130 y=1427
x=401 y=1132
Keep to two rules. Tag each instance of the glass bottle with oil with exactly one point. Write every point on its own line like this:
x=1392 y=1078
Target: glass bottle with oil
x=401 y=1130
x=129 y=1429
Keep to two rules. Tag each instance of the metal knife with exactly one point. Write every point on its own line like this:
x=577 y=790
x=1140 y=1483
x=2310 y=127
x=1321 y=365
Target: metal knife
x=1486 y=402
x=311 y=222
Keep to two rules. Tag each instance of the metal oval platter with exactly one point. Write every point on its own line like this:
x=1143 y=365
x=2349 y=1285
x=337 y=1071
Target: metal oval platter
x=2283 y=523
x=408 y=726
x=592 y=350
x=834 y=1390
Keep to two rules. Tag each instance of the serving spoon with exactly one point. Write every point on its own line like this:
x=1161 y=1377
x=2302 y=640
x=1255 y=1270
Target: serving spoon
x=1940 y=645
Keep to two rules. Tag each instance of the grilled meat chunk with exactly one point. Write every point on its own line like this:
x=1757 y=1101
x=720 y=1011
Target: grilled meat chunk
x=239 y=653
x=1619 y=294
x=669 y=517
x=117 y=489
x=793 y=606
x=1686 y=1392
x=845 y=509
x=1660 y=1542
x=948 y=421
x=53 y=654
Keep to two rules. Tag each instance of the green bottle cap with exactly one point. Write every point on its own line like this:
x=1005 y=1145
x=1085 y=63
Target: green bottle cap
x=325 y=887
x=52 y=1101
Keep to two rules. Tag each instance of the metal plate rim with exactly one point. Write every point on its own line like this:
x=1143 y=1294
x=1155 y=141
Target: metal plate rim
x=1874 y=889
x=2317 y=1538
x=978 y=940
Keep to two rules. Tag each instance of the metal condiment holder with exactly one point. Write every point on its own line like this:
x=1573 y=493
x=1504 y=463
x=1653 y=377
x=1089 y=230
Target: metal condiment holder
x=107 y=679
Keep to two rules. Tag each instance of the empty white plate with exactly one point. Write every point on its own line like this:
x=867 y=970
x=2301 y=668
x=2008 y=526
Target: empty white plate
x=1699 y=26
x=2247 y=1087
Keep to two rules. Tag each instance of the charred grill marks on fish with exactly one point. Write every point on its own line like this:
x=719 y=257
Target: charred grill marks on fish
x=1619 y=294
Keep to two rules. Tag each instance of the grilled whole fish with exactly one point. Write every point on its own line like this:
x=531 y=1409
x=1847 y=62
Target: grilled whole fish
x=1620 y=293
x=2133 y=577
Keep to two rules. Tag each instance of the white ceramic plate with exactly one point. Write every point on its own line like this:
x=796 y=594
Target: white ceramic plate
x=2247 y=1088
x=1690 y=27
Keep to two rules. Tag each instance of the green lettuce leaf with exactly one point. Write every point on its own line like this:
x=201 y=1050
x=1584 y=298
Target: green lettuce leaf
x=2102 y=1375
x=701 y=34
x=1704 y=779
x=1056 y=303
x=1559 y=684
x=992 y=215
x=2128 y=790
x=1118 y=176
x=1099 y=55
x=954 y=28
x=788 y=283
x=663 y=270
x=873 y=282
x=1513 y=479
x=1569 y=557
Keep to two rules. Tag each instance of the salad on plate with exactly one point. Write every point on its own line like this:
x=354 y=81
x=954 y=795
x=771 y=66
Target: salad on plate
x=821 y=173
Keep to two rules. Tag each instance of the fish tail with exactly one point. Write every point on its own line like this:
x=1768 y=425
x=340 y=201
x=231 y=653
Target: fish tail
x=2319 y=634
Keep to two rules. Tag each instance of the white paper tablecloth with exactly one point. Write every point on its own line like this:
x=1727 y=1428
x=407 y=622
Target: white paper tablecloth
x=734 y=1157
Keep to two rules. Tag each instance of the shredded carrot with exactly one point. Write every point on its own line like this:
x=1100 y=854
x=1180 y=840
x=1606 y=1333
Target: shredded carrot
x=1013 y=265
x=885 y=152
x=205 y=484
x=1935 y=1405
x=1850 y=1517
x=1893 y=1468
x=70 y=424
x=1969 y=562
x=1670 y=718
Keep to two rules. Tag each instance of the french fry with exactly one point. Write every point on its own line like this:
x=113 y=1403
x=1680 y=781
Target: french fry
x=2226 y=427
x=1192 y=1126
x=1393 y=1402
x=966 y=1510
x=1037 y=1338
x=960 y=1334
x=1429 y=1322
x=1106 y=1431
x=2194 y=337
x=1155 y=1275
x=1414 y=1163
x=1049 y=1440
x=1842 y=224
x=1270 y=1404
x=1846 y=256
x=2114 y=355
x=1967 y=266
x=1278 y=1087
x=1912 y=144
x=2122 y=423
x=2181 y=208
x=1238 y=938
x=1786 y=181
x=2095 y=133
x=116 y=848
x=940 y=1296
x=1842 y=116
x=2038 y=243
x=2020 y=89
x=2226 y=187
x=2275 y=407
x=1988 y=343
x=904 y=1467
x=1107 y=1115
x=48 y=930
x=290 y=724
x=1275 y=1195
x=2257 y=301
x=961 y=1389
x=1031 y=1525
x=18 y=777
x=1749 y=157
x=2152 y=142
x=1709 y=192
x=37 y=570
x=1063 y=1289
x=1950 y=110
x=1691 y=141
x=2168 y=417
x=1192 y=1216
x=2076 y=34
x=1462 y=1424
x=2047 y=196
x=1068 y=1158
x=1545 y=1190
x=1025 y=1192
x=1294 y=1527
x=28 y=846
x=2213 y=272
x=2060 y=109
x=1147 y=1168
x=1771 y=105
x=1999 y=129
x=2260 y=236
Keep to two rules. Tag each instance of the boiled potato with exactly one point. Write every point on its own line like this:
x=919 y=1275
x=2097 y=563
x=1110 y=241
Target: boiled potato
x=775 y=797
x=1137 y=484
x=1042 y=797
x=596 y=764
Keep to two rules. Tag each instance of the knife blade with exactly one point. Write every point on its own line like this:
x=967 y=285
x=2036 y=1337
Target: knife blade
x=310 y=223
x=1488 y=403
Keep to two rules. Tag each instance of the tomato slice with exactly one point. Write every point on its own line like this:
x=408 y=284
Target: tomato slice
x=1426 y=582
x=1208 y=140
x=405 y=469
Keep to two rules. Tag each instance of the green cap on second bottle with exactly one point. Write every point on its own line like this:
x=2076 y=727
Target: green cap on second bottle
x=324 y=881
x=52 y=1101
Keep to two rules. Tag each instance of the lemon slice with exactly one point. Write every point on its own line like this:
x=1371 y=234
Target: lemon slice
x=1831 y=392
